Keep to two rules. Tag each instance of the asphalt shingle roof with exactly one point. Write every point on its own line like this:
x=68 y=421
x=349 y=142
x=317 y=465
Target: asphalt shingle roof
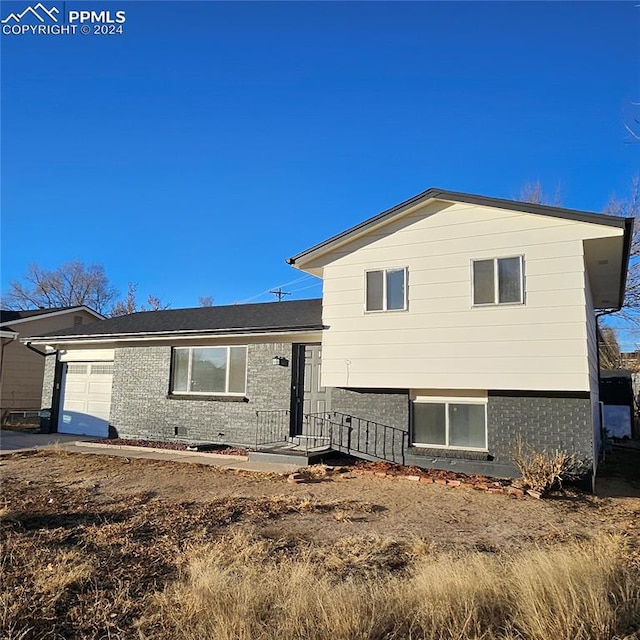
x=9 y=315
x=249 y=318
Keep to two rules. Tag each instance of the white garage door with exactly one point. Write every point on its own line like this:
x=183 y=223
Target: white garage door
x=86 y=398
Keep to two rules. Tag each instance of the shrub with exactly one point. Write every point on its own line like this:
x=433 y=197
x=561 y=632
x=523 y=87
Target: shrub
x=545 y=471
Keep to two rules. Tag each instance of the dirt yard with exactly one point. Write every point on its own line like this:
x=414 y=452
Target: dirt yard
x=131 y=520
x=365 y=505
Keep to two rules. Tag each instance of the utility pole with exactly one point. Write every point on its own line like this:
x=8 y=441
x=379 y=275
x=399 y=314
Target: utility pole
x=279 y=293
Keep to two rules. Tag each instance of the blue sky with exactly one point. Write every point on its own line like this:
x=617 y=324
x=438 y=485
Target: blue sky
x=195 y=152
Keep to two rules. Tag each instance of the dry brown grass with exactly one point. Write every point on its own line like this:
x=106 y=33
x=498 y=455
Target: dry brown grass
x=239 y=588
x=77 y=564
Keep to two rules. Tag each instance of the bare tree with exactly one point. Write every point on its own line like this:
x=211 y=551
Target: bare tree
x=610 y=357
x=205 y=301
x=532 y=193
x=73 y=284
x=130 y=303
x=69 y=285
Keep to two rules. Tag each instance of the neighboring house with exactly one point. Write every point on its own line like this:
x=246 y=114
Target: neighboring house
x=22 y=370
x=617 y=398
x=450 y=326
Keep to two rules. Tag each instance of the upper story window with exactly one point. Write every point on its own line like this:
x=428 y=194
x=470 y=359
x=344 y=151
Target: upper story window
x=386 y=290
x=215 y=370
x=498 y=281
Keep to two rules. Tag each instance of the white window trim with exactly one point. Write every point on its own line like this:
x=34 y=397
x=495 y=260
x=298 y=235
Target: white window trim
x=227 y=371
x=496 y=284
x=384 y=290
x=447 y=401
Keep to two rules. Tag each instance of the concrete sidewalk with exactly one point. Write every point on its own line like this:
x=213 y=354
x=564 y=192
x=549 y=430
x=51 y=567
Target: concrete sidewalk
x=15 y=442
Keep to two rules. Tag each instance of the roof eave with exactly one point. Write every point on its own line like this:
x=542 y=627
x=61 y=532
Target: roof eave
x=195 y=333
x=54 y=312
x=626 y=255
x=454 y=196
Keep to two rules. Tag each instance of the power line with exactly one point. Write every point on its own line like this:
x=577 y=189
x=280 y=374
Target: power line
x=279 y=293
x=285 y=284
x=311 y=286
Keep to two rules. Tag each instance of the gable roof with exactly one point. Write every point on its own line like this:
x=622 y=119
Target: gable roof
x=11 y=316
x=266 y=317
x=453 y=196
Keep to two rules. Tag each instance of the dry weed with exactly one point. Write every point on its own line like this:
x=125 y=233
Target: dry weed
x=545 y=471
x=77 y=568
x=570 y=593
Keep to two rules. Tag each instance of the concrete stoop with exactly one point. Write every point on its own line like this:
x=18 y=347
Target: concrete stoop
x=290 y=453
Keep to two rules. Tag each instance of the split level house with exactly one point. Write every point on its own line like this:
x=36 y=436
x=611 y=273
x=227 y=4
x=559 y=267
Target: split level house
x=450 y=326
x=22 y=369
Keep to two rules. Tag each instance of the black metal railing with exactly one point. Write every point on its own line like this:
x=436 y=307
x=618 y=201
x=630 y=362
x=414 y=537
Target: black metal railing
x=316 y=431
x=332 y=429
x=352 y=434
x=272 y=426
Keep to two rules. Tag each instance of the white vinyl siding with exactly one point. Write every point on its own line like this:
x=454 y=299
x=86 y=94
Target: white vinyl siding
x=386 y=290
x=209 y=370
x=440 y=341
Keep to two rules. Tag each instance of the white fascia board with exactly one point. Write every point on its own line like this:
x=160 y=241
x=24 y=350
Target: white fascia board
x=11 y=335
x=163 y=336
x=53 y=314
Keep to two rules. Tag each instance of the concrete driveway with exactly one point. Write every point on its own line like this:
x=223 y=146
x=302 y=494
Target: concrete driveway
x=12 y=441
x=23 y=441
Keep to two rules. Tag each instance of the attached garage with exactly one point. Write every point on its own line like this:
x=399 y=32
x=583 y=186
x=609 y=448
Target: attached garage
x=85 y=397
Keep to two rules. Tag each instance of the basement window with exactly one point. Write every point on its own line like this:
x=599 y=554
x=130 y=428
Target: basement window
x=450 y=425
x=209 y=370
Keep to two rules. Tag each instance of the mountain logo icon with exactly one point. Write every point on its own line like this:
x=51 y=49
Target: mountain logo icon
x=39 y=12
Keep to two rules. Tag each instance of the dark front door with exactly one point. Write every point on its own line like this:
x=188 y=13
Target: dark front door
x=309 y=395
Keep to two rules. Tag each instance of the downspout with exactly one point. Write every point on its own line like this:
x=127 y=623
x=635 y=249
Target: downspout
x=57 y=379
x=32 y=348
x=598 y=316
x=626 y=254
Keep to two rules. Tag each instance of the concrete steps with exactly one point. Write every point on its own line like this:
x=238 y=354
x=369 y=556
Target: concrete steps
x=294 y=452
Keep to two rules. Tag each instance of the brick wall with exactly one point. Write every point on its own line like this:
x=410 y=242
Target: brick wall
x=386 y=408
x=542 y=422
x=47 y=384
x=140 y=407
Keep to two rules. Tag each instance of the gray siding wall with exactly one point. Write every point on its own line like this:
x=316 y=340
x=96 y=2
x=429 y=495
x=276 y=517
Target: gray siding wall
x=386 y=408
x=141 y=408
x=543 y=423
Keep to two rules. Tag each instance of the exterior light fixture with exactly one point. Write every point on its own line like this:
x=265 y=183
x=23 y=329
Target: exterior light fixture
x=280 y=361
